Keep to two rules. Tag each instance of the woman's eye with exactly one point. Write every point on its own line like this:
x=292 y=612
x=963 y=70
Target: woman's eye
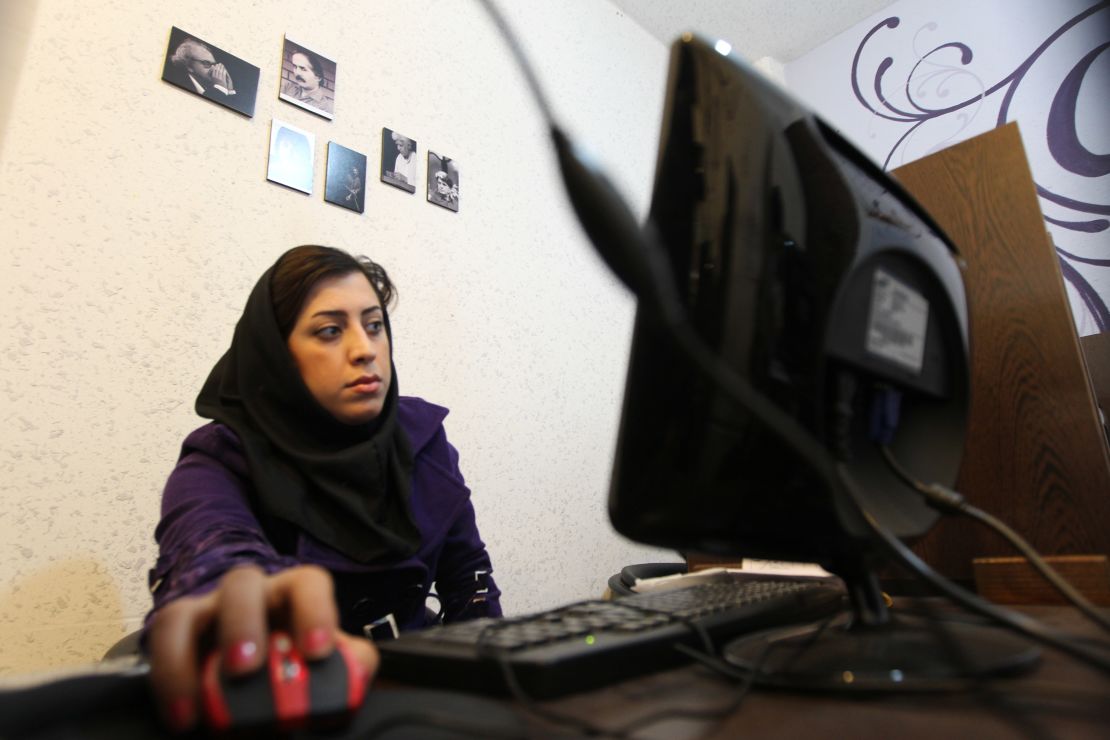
x=374 y=327
x=328 y=332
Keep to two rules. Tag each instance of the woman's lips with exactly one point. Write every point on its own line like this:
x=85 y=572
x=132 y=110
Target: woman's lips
x=367 y=384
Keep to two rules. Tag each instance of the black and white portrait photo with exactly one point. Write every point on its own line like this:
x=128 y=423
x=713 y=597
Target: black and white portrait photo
x=398 y=160
x=346 y=177
x=443 y=181
x=291 y=156
x=206 y=70
x=307 y=79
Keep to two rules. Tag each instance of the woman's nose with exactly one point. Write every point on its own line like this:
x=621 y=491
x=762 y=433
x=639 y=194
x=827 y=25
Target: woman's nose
x=362 y=348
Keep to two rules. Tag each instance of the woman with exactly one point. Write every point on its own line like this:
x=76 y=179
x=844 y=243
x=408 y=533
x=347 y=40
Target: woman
x=318 y=499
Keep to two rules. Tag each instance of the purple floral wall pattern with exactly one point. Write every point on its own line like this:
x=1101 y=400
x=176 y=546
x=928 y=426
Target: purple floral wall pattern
x=938 y=96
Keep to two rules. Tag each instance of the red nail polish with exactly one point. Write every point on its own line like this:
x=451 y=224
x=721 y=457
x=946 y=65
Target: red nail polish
x=180 y=714
x=316 y=641
x=240 y=655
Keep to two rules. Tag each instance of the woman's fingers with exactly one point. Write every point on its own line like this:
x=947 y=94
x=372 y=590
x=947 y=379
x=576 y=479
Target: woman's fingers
x=242 y=620
x=363 y=650
x=174 y=669
x=237 y=617
x=305 y=593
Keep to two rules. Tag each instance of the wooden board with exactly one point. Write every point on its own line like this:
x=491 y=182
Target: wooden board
x=1035 y=456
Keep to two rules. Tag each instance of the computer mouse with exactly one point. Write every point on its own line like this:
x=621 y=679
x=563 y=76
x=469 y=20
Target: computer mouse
x=287 y=693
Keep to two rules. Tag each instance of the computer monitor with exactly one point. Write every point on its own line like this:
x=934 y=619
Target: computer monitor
x=836 y=306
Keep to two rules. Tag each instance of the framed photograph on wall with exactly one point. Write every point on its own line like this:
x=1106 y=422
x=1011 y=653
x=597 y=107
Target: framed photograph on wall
x=307 y=79
x=346 y=177
x=207 y=70
x=399 y=160
x=443 y=181
x=292 y=154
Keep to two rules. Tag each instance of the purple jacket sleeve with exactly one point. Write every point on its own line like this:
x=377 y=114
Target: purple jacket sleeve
x=463 y=574
x=207 y=525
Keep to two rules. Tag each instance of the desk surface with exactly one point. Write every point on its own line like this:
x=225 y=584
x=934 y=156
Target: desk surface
x=1062 y=698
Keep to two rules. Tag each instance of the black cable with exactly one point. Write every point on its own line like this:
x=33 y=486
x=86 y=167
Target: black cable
x=642 y=265
x=521 y=60
x=640 y=269
x=1043 y=567
x=531 y=705
x=1016 y=621
x=499 y=655
x=950 y=501
x=521 y=696
x=747 y=682
x=689 y=622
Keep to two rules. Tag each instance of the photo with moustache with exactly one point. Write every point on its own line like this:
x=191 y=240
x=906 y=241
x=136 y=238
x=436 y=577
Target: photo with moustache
x=307 y=79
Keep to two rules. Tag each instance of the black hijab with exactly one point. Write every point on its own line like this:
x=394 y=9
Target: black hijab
x=346 y=485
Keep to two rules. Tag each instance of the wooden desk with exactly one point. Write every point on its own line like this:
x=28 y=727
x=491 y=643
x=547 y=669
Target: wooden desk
x=1061 y=699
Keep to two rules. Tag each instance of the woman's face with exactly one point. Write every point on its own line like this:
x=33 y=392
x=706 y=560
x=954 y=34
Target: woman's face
x=341 y=348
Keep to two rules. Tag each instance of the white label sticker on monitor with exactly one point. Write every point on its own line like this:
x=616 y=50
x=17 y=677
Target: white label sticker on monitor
x=899 y=319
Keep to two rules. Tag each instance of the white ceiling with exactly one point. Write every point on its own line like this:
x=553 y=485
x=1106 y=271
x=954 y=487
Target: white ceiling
x=782 y=29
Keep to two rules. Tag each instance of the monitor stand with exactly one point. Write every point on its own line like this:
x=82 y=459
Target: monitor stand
x=872 y=650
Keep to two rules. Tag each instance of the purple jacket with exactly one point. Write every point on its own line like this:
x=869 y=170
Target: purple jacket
x=208 y=526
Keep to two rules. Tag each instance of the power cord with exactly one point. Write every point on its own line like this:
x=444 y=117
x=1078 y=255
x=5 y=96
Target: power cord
x=1016 y=621
x=951 y=502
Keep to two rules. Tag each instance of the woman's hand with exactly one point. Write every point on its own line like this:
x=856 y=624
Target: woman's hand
x=235 y=619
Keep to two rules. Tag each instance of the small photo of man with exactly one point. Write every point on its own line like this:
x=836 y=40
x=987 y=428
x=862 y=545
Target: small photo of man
x=398 y=160
x=307 y=79
x=443 y=181
x=207 y=70
x=292 y=153
x=346 y=178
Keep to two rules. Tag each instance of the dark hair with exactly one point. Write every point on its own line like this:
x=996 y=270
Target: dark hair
x=299 y=269
x=314 y=61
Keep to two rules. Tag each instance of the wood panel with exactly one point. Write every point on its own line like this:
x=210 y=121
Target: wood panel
x=1012 y=580
x=1096 y=350
x=1035 y=455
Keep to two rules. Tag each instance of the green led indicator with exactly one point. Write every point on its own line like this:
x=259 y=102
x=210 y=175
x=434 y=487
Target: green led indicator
x=590 y=639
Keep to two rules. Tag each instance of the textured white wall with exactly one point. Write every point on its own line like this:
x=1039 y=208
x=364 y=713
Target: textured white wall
x=136 y=218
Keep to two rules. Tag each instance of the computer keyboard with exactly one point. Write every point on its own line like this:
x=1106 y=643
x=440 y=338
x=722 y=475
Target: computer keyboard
x=589 y=644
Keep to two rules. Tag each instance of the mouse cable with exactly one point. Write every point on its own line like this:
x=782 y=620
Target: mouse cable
x=949 y=501
x=530 y=704
x=706 y=656
x=498 y=654
x=718 y=667
x=534 y=707
x=624 y=732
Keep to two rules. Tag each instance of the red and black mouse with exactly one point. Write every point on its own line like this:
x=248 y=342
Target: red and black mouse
x=287 y=693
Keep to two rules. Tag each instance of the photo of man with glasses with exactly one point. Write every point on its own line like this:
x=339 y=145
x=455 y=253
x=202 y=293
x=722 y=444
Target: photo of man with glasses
x=210 y=72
